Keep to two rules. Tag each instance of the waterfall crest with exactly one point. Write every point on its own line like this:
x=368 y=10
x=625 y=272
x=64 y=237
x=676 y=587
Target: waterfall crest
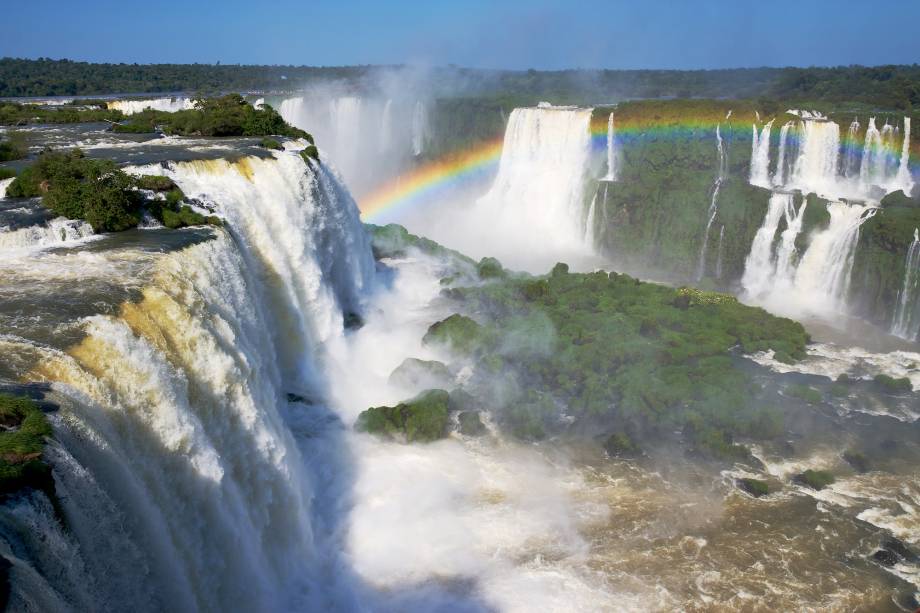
x=537 y=195
x=181 y=483
x=169 y=105
x=59 y=231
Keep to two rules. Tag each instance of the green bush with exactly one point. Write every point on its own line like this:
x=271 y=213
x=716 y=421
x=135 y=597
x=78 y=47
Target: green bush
x=156 y=183
x=22 y=441
x=270 y=143
x=78 y=187
x=754 y=487
x=310 y=153
x=815 y=479
x=892 y=385
x=489 y=268
x=7 y=173
x=804 y=392
x=421 y=419
x=13 y=147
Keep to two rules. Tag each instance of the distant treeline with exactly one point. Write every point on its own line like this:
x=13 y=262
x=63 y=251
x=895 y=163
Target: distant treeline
x=883 y=87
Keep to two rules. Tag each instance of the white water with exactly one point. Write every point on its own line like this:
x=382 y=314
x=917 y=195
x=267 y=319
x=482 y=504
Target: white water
x=906 y=322
x=812 y=158
x=782 y=163
x=5 y=183
x=611 y=151
x=721 y=252
x=535 y=203
x=420 y=128
x=713 y=205
x=760 y=156
x=171 y=105
x=816 y=284
x=59 y=231
x=369 y=140
x=181 y=482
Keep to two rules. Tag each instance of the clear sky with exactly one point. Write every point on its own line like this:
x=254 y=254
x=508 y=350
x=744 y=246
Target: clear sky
x=479 y=33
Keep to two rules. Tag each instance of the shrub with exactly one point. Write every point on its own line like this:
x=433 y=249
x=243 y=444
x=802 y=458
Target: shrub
x=804 y=392
x=156 y=183
x=421 y=419
x=815 y=479
x=21 y=444
x=754 y=487
x=270 y=143
x=892 y=385
x=489 y=268
x=13 y=148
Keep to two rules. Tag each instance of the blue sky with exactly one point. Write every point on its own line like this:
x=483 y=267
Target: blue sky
x=543 y=34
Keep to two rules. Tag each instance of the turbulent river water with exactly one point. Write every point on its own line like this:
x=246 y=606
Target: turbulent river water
x=207 y=385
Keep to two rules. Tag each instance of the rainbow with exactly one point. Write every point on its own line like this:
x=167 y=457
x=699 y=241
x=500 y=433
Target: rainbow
x=436 y=177
x=431 y=179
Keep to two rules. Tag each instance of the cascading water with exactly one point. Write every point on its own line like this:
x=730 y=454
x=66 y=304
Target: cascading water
x=819 y=281
x=56 y=232
x=386 y=127
x=182 y=486
x=170 y=105
x=906 y=321
x=816 y=167
x=781 y=171
x=904 y=179
x=851 y=159
x=536 y=202
x=760 y=156
x=611 y=152
x=4 y=183
x=721 y=252
x=420 y=128
x=713 y=204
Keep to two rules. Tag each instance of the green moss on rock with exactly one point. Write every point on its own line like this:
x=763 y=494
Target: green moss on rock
x=22 y=441
x=892 y=385
x=754 y=487
x=458 y=333
x=421 y=373
x=422 y=419
x=815 y=479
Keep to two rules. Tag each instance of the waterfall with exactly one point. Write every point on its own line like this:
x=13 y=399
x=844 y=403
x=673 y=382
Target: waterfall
x=904 y=179
x=819 y=281
x=760 y=156
x=851 y=161
x=420 y=128
x=611 y=153
x=786 y=251
x=713 y=204
x=181 y=483
x=590 y=220
x=816 y=167
x=873 y=155
x=906 y=321
x=386 y=127
x=56 y=232
x=537 y=196
x=5 y=183
x=780 y=174
x=758 y=275
x=721 y=252
x=170 y=105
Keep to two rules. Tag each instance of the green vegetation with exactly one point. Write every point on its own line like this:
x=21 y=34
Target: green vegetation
x=886 y=87
x=892 y=385
x=857 y=460
x=22 y=441
x=489 y=268
x=13 y=114
x=97 y=192
x=394 y=241
x=78 y=187
x=7 y=173
x=310 y=153
x=470 y=423
x=754 y=487
x=804 y=392
x=621 y=445
x=13 y=147
x=421 y=373
x=422 y=419
x=228 y=115
x=815 y=479
x=270 y=143
x=636 y=357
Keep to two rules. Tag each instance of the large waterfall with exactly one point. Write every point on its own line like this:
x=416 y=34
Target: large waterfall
x=369 y=139
x=611 y=151
x=760 y=157
x=170 y=105
x=537 y=196
x=179 y=479
x=817 y=282
x=813 y=157
x=906 y=322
